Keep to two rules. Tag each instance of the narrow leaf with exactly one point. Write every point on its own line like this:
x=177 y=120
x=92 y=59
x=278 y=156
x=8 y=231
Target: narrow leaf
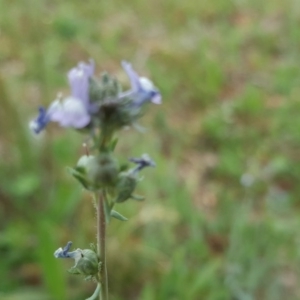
x=96 y=293
x=118 y=216
x=137 y=197
x=79 y=176
x=113 y=144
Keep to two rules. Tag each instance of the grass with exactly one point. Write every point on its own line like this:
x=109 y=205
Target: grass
x=221 y=217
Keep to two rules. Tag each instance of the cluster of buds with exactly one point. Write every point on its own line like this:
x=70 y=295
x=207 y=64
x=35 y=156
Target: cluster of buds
x=103 y=172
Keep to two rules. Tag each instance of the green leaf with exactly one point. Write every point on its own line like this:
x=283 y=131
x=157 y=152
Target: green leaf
x=137 y=197
x=113 y=144
x=74 y=271
x=118 y=216
x=78 y=174
x=124 y=167
x=74 y=171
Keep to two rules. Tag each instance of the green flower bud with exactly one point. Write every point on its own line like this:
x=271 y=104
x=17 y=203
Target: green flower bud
x=86 y=261
x=127 y=181
x=125 y=186
x=79 y=172
x=96 y=93
x=107 y=87
x=84 y=161
x=87 y=264
x=110 y=85
x=99 y=170
x=115 y=114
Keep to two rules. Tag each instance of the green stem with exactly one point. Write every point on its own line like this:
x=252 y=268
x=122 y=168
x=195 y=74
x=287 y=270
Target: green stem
x=101 y=236
x=105 y=139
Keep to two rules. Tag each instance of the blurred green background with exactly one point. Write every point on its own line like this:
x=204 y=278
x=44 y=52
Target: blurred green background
x=222 y=215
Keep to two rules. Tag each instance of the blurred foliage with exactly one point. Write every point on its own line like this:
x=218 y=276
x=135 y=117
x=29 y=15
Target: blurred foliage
x=222 y=212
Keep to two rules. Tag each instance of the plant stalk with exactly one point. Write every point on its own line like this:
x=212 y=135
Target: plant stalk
x=101 y=237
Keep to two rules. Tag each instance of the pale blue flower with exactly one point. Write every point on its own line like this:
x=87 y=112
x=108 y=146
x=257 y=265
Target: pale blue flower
x=64 y=253
x=142 y=162
x=142 y=89
x=73 y=111
x=86 y=260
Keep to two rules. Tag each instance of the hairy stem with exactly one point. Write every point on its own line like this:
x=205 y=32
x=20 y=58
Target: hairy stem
x=101 y=236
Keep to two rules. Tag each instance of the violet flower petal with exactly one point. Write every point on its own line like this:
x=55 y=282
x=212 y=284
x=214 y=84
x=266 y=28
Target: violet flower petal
x=73 y=111
x=133 y=76
x=79 y=81
x=64 y=253
x=69 y=112
x=150 y=90
x=142 y=89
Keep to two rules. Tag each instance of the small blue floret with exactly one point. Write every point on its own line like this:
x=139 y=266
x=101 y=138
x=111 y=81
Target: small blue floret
x=38 y=124
x=143 y=162
x=64 y=252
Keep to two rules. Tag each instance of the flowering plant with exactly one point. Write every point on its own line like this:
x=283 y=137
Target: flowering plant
x=99 y=108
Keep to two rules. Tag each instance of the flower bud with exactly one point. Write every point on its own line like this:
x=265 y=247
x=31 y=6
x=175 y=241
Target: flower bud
x=84 y=161
x=115 y=113
x=126 y=184
x=86 y=261
x=127 y=181
x=87 y=264
x=95 y=90
x=111 y=87
x=107 y=87
x=100 y=170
